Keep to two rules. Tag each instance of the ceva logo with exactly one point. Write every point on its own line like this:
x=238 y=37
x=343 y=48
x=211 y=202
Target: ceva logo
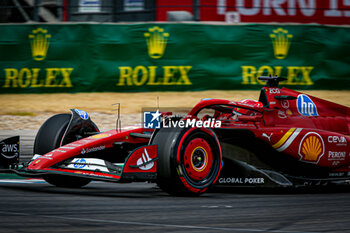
x=306 y=106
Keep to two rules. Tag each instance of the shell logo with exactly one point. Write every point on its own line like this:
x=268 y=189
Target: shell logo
x=311 y=148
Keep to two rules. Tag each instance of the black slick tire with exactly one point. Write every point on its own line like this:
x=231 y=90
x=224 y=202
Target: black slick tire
x=189 y=160
x=48 y=138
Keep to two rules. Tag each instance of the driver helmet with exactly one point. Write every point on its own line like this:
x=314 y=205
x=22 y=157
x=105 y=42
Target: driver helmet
x=249 y=103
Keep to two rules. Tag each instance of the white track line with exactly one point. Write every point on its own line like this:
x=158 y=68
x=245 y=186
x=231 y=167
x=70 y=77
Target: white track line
x=22 y=181
x=153 y=224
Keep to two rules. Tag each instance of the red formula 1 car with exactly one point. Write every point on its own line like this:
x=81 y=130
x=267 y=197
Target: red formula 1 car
x=288 y=139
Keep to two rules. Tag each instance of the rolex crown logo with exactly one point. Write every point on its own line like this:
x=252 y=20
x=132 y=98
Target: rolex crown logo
x=39 y=43
x=156 y=41
x=281 y=42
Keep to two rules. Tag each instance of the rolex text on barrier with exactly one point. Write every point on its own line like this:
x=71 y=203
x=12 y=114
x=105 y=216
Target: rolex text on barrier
x=30 y=77
x=36 y=58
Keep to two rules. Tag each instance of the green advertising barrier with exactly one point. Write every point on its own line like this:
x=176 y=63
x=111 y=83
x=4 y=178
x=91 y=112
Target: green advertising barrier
x=40 y=58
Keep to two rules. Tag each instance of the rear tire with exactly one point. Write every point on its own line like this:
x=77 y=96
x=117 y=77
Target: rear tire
x=48 y=138
x=189 y=160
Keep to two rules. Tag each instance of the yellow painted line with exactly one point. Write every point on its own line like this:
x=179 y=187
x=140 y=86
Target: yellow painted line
x=284 y=138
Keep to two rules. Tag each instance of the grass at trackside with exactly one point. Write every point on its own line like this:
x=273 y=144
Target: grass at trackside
x=19 y=113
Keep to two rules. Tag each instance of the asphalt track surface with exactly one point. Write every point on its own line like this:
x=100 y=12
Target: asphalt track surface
x=35 y=206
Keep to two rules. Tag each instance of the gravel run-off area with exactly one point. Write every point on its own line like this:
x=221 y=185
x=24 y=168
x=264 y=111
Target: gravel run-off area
x=29 y=111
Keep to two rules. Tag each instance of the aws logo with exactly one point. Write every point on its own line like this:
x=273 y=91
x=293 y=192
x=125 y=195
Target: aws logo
x=39 y=43
x=306 y=106
x=281 y=41
x=311 y=148
x=156 y=40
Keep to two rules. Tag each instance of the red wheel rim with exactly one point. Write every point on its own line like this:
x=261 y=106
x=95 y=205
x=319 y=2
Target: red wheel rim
x=198 y=159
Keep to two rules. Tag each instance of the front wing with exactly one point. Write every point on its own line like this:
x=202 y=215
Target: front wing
x=140 y=165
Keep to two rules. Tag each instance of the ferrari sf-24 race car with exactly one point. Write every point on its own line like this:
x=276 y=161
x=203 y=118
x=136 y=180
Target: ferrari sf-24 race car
x=289 y=139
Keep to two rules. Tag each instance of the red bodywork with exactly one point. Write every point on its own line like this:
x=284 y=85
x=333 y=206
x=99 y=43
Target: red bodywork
x=293 y=125
x=322 y=139
x=96 y=142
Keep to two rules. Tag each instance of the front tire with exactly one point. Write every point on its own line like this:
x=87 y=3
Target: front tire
x=48 y=138
x=50 y=133
x=189 y=160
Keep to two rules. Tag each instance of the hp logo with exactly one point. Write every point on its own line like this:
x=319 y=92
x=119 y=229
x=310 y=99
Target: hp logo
x=306 y=106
